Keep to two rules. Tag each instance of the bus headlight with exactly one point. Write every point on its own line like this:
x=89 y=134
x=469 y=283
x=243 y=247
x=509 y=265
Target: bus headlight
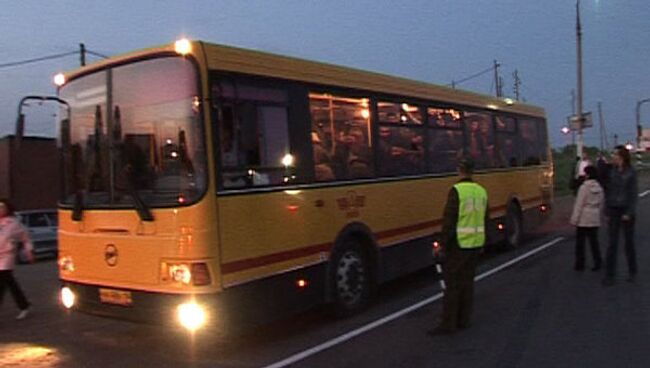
x=180 y=273
x=196 y=274
x=191 y=315
x=67 y=297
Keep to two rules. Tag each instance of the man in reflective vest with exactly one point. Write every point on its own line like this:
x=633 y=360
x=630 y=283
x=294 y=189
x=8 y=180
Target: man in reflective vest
x=464 y=224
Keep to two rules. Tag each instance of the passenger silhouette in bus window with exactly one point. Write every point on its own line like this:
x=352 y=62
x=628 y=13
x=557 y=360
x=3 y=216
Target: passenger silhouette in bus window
x=98 y=155
x=401 y=150
x=358 y=154
x=229 y=146
x=184 y=158
x=135 y=173
x=322 y=161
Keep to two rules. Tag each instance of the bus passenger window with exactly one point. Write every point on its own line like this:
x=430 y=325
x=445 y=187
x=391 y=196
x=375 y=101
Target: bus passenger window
x=480 y=139
x=445 y=139
x=341 y=142
x=254 y=135
x=322 y=160
x=228 y=138
x=445 y=148
x=401 y=141
x=529 y=142
x=506 y=153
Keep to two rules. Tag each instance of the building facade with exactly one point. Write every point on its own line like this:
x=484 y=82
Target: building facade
x=29 y=172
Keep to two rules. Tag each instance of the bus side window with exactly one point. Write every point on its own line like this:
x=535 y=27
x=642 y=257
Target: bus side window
x=507 y=155
x=401 y=140
x=247 y=122
x=228 y=138
x=254 y=135
x=445 y=148
x=341 y=142
x=480 y=139
x=529 y=142
x=445 y=139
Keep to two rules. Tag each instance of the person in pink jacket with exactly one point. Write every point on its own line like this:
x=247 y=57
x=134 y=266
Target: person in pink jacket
x=11 y=232
x=586 y=217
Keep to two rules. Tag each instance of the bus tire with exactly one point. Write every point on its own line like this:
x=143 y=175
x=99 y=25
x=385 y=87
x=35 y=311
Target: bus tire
x=514 y=226
x=350 y=279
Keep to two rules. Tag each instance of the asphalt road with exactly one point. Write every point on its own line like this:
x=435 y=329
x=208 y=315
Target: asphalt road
x=537 y=312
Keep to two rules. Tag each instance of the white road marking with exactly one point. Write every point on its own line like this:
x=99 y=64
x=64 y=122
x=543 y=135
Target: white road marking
x=644 y=193
x=382 y=321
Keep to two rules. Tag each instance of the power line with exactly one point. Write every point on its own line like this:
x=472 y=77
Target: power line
x=52 y=57
x=35 y=60
x=94 y=53
x=454 y=83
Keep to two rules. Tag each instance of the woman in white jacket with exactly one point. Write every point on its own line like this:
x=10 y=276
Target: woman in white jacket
x=586 y=217
x=11 y=232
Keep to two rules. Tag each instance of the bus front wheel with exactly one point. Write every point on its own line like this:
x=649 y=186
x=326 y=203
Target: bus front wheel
x=349 y=279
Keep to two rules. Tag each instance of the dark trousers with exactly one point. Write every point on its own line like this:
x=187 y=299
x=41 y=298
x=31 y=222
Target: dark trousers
x=582 y=234
x=7 y=280
x=615 y=224
x=457 y=304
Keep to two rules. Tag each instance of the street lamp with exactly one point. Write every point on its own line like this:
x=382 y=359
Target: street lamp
x=565 y=130
x=638 y=121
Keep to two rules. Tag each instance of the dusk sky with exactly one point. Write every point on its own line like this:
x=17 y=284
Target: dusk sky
x=434 y=41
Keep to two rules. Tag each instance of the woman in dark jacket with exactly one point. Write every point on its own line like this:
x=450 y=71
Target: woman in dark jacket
x=621 y=197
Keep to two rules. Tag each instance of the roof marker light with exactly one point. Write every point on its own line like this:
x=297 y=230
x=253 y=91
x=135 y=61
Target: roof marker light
x=59 y=79
x=183 y=46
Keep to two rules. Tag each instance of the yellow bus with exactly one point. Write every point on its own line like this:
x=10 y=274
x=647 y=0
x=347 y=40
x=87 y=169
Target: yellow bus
x=205 y=183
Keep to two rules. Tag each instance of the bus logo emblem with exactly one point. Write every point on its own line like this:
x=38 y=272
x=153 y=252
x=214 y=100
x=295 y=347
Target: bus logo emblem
x=351 y=204
x=110 y=255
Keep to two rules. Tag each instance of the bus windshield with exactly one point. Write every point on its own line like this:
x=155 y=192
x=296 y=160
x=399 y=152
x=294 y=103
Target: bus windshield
x=135 y=136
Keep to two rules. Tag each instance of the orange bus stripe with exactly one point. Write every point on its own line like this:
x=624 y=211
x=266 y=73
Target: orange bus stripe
x=245 y=264
x=407 y=229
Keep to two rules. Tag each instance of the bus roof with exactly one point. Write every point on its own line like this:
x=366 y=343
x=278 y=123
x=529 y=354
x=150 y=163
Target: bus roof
x=235 y=59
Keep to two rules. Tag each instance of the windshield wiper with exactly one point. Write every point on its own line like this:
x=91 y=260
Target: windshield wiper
x=77 y=212
x=143 y=210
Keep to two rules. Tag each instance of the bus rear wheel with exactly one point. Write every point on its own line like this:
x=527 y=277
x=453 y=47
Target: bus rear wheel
x=350 y=279
x=514 y=227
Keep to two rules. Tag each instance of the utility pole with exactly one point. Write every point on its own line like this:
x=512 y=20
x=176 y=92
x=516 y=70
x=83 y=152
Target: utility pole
x=500 y=86
x=603 y=132
x=579 y=72
x=573 y=112
x=82 y=54
x=515 y=76
x=615 y=140
x=497 y=80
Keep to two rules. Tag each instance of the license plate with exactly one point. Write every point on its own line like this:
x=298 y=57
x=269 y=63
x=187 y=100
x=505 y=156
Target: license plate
x=118 y=297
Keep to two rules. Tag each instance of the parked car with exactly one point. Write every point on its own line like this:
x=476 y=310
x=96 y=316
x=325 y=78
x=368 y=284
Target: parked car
x=42 y=225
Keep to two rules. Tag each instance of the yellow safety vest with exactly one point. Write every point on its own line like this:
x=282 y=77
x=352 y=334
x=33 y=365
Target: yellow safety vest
x=472 y=204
